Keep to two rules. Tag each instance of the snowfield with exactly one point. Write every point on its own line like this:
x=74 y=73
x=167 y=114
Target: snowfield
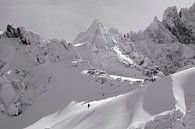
x=172 y=95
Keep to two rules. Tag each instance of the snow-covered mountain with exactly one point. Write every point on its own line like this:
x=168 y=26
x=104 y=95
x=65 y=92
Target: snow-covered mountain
x=25 y=72
x=42 y=77
x=164 y=47
x=27 y=63
x=169 y=43
x=106 y=49
x=111 y=73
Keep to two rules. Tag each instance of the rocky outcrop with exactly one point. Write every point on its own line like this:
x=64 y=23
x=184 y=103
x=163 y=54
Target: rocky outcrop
x=167 y=121
x=11 y=96
x=169 y=43
x=172 y=21
x=158 y=33
x=18 y=90
x=12 y=32
x=188 y=17
x=26 y=37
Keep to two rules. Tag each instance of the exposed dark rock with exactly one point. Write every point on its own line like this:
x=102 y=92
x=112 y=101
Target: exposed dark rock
x=12 y=32
x=26 y=37
x=173 y=22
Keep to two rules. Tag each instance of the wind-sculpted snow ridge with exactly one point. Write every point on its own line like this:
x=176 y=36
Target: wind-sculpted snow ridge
x=167 y=103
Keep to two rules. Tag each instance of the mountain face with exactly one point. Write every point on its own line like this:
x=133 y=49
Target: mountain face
x=108 y=50
x=173 y=22
x=169 y=43
x=105 y=63
x=188 y=17
x=27 y=64
x=25 y=67
x=163 y=47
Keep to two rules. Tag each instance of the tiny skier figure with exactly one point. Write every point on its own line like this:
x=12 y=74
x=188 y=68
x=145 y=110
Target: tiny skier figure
x=88 y=105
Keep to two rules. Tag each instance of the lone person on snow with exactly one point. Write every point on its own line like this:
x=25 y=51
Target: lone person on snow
x=88 y=105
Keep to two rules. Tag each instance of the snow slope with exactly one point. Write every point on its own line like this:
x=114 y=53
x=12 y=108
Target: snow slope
x=66 y=85
x=171 y=97
x=30 y=72
x=35 y=84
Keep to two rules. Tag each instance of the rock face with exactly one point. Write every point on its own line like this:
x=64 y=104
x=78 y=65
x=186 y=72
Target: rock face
x=12 y=32
x=12 y=96
x=164 y=46
x=161 y=47
x=188 y=17
x=169 y=43
x=25 y=67
x=158 y=33
x=108 y=50
x=26 y=37
x=173 y=22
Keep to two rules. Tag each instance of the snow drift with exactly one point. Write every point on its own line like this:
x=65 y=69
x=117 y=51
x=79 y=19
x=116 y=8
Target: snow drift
x=165 y=101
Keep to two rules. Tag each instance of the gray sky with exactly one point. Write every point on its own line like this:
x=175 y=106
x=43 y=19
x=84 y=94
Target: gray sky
x=64 y=19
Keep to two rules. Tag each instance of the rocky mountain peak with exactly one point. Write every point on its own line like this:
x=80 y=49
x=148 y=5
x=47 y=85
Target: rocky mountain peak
x=171 y=17
x=26 y=37
x=156 y=19
x=155 y=24
x=172 y=20
x=171 y=13
x=188 y=17
x=96 y=25
x=96 y=28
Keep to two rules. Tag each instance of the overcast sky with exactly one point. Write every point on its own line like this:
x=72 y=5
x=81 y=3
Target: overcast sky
x=64 y=19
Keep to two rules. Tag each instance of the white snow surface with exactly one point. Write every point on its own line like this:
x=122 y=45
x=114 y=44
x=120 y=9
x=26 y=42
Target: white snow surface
x=127 y=111
x=122 y=57
x=127 y=78
x=1 y=32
